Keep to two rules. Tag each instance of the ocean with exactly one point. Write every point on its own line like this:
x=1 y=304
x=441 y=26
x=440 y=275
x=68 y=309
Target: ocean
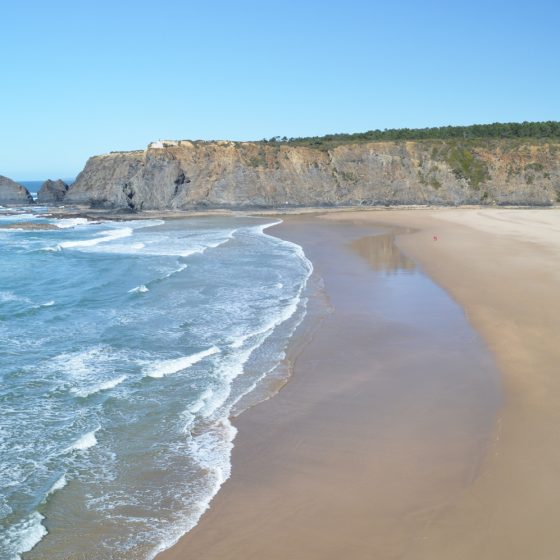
x=32 y=186
x=125 y=348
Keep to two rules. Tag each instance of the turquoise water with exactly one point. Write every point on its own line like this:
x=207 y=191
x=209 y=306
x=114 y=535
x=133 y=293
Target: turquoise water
x=124 y=348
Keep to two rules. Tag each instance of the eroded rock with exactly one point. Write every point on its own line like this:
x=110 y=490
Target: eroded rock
x=52 y=192
x=13 y=194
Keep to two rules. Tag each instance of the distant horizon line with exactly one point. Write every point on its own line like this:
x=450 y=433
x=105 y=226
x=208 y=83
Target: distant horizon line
x=67 y=180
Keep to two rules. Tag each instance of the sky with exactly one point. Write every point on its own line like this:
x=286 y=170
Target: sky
x=80 y=78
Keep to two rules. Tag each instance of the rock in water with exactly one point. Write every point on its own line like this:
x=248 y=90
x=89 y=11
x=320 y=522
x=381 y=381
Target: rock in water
x=12 y=193
x=52 y=192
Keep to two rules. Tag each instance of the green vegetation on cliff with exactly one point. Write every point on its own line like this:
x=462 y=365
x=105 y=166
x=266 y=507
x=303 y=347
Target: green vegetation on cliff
x=457 y=146
x=348 y=170
x=524 y=130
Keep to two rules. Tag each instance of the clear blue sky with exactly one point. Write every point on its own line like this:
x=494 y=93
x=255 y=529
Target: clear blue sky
x=85 y=77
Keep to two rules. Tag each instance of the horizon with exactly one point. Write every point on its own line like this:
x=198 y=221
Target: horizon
x=249 y=71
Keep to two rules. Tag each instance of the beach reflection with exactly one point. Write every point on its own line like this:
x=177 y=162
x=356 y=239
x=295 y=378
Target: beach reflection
x=383 y=255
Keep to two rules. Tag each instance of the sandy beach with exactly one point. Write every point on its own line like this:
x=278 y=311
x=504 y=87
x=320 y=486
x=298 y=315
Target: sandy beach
x=280 y=281
x=373 y=450
x=502 y=266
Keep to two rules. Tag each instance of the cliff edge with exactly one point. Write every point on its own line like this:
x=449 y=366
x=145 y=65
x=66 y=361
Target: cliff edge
x=178 y=175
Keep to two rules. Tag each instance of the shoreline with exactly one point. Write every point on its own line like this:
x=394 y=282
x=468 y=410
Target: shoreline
x=500 y=266
x=278 y=441
x=119 y=214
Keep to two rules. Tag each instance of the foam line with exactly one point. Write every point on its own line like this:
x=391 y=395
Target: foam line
x=169 y=367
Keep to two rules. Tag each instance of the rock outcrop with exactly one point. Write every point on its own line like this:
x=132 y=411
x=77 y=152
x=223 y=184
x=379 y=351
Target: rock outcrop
x=13 y=194
x=52 y=192
x=191 y=175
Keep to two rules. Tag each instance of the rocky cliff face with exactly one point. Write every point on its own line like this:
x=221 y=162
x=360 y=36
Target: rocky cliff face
x=12 y=193
x=185 y=175
x=52 y=192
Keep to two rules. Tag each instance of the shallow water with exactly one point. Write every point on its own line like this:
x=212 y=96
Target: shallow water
x=123 y=348
x=385 y=422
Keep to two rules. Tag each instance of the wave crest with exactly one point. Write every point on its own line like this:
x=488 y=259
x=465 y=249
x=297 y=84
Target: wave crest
x=168 y=367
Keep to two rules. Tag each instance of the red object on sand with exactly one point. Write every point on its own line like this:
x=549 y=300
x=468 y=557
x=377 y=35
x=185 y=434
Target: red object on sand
x=435 y=237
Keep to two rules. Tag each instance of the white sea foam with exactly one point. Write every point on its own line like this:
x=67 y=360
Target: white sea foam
x=93 y=389
x=178 y=250
x=139 y=289
x=24 y=535
x=219 y=401
x=282 y=316
x=86 y=371
x=153 y=243
x=58 y=485
x=248 y=390
x=211 y=451
x=230 y=368
x=84 y=442
x=141 y=224
x=168 y=367
x=187 y=247
x=19 y=217
x=122 y=248
x=210 y=437
x=176 y=271
x=79 y=365
x=212 y=448
x=105 y=237
x=261 y=227
x=209 y=448
x=269 y=326
x=201 y=401
x=7 y=296
x=66 y=223
x=38 y=306
x=233 y=366
x=238 y=341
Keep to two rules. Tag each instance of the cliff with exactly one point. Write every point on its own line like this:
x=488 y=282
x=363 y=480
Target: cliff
x=186 y=175
x=12 y=193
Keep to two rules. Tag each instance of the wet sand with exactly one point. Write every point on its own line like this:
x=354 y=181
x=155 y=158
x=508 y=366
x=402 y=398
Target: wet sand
x=503 y=267
x=386 y=423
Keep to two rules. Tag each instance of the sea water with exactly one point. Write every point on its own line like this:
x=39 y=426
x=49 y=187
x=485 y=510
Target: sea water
x=124 y=348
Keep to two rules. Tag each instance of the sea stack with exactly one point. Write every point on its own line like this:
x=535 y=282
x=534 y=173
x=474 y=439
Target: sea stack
x=13 y=194
x=52 y=192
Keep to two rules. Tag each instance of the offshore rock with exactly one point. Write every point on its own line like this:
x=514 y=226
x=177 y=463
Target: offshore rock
x=31 y=226
x=194 y=175
x=13 y=194
x=52 y=192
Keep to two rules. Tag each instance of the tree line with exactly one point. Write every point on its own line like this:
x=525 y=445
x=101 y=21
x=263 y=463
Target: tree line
x=545 y=129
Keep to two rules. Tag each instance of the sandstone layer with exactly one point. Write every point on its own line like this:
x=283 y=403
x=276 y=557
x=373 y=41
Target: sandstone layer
x=190 y=175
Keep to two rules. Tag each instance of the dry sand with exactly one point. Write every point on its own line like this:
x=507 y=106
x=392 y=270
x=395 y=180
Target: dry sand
x=372 y=450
